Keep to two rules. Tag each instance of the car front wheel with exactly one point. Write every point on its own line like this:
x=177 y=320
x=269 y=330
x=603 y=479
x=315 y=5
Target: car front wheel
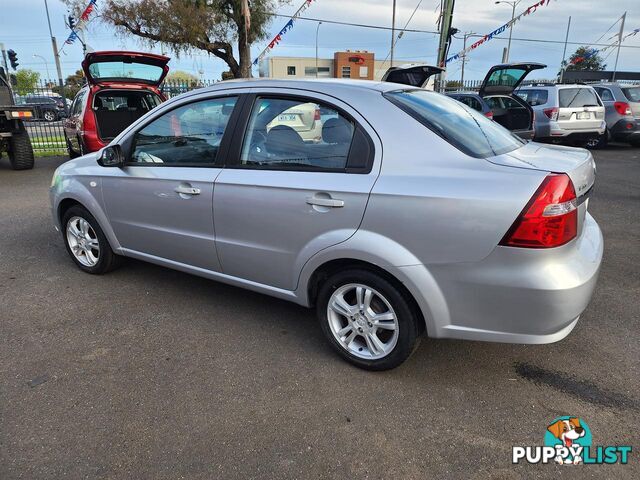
x=86 y=243
x=367 y=319
x=50 y=116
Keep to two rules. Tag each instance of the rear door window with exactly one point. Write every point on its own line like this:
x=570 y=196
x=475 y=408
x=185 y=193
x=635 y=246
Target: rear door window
x=578 y=98
x=605 y=94
x=534 y=97
x=632 y=94
x=460 y=125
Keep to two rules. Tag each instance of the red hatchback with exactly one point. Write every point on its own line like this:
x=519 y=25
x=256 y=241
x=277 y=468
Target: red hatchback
x=121 y=87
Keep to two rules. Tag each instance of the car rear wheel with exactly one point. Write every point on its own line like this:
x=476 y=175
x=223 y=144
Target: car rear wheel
x=50 y=116
x=86 y=243
x=599 y=142
x=367 y=319
x=72 y=152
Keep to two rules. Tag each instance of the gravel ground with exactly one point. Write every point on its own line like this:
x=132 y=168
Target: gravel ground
x=152 y=373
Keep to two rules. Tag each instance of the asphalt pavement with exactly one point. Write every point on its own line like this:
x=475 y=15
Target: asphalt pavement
x=152 y=373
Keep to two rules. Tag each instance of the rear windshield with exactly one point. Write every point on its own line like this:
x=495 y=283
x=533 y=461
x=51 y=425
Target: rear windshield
x=460 y=125
x=578 y=97
x=534 y=97
x=632 y=94
x=125 y=70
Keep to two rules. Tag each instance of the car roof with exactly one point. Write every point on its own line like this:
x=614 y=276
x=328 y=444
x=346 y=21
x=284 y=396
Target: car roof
x=328 y=86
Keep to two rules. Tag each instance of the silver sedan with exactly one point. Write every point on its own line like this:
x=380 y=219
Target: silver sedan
x=410 y=214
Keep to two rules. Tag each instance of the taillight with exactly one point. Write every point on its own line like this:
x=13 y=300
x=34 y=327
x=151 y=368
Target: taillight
x=550 y=219
x=489 y=114
x=552 y=113
x=623 y=108
x=317 y=114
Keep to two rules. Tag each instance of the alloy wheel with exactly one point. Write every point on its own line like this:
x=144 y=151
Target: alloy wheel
x=83 y=241
x=362 y=321
x=49 y=116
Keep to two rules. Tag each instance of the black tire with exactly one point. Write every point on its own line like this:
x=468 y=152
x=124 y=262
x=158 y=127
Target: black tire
x=107 y=259
x=50 y=116
x=72 y=152
x=20 y=150
x=81 y=147
x=635 y=142
x=407 y=318
x=601 y=142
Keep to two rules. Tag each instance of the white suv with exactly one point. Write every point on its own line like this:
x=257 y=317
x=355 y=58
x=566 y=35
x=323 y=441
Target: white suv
x=571 y=114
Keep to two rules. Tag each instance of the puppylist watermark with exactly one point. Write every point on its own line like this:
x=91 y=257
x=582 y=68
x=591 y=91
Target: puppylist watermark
x=568 y=441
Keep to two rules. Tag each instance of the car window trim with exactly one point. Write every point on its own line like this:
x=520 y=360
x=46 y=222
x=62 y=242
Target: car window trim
x=225 y=143
x=237 y=143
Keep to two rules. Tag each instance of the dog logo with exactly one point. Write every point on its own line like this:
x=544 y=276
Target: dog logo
x=571 y=433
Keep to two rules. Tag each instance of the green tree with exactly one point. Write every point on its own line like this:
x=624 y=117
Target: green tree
x=180 y=76
x=26 y=81
x=213 y=26
x=584 y=59
x=72 y=85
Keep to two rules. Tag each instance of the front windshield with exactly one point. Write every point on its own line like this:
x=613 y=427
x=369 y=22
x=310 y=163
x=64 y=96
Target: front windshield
x=460 y=125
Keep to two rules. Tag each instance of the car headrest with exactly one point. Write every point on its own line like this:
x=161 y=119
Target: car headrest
x=283 y=139
x=337 y=130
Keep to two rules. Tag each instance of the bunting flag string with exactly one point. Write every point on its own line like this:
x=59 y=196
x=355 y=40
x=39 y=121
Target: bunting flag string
x=82 y=22
x=288 y=26
x=532 y=9
x=594 y=51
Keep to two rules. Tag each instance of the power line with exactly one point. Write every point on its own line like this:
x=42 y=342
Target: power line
x=351 y=24
x=557 y=41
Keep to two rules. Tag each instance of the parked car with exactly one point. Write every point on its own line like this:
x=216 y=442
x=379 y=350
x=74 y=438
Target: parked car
x=496 y=92
x=571 y=114
x=48 y=108
x=414 y=213
x=473 y=100
x=121 y=88
x=622 y=112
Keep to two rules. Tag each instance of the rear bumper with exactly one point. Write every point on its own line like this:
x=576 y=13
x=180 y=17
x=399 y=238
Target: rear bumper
x=517 y=295
x=623 y=130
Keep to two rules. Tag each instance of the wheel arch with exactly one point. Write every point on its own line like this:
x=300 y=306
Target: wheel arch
x=327 y=269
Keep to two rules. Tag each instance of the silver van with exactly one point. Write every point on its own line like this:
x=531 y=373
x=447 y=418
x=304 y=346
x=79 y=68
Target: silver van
x=572 y=114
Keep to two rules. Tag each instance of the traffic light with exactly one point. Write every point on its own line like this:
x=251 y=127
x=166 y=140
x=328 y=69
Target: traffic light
x=72 y=22
x=13 y=59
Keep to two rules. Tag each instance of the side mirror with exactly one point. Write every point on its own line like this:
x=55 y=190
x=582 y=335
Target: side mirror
x=111 y=156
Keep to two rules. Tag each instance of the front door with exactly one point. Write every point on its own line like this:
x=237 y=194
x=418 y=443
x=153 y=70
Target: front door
x=292 y=187
x=160 y=203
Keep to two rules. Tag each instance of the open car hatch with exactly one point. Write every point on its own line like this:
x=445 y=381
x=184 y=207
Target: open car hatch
x=504 y=79
x=125 y=67
x=414 y=74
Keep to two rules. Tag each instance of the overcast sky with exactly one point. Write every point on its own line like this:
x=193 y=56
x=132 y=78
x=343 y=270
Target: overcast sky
x=23 y=27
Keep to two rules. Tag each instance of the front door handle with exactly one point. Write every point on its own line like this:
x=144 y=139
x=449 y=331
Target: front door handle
x=184 y=190
x=325 y=202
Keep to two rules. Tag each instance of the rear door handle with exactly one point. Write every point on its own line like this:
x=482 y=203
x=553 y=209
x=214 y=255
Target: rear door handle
x=187 y=190
x=325 y=202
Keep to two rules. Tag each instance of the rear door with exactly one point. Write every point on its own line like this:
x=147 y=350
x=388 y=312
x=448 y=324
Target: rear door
x=108 y=67
x=281 y=198
x=579 y=108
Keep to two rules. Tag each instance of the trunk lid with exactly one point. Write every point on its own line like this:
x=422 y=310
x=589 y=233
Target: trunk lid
x=503 y=79
x=580 y=108
x=413 y=74
x=577 y=163
x=119 y=67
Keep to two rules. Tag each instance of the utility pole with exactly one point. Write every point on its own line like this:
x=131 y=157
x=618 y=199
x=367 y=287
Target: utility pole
x=56 y=56
x=615 y=67
x=514 y=4
x=393 y=30
x=465 y=35
x=564 y=51
x=317 y=30
x=446 y=16
x=4 y=60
